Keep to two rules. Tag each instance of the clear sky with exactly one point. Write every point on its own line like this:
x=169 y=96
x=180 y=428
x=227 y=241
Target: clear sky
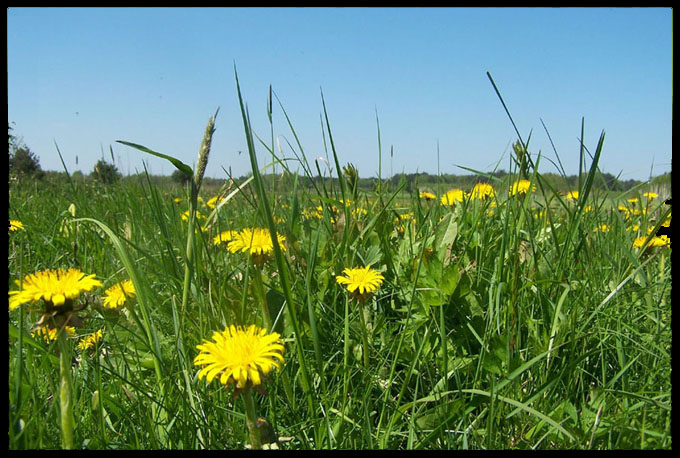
x=82 y=78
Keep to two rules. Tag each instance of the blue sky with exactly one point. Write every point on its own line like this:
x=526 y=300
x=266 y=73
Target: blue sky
x=83 y=78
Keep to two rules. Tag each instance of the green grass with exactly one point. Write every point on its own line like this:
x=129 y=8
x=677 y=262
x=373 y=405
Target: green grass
x=510 y=323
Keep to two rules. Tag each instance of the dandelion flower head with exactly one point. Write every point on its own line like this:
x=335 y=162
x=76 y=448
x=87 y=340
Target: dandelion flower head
x=118 y=294
x=15 y=225
x=452 y=197
x=54 y=286
x=482 y=191
x=90 y=340
x=572 y=195
x=360 y=280
x=655 y=241
x=214 y=201
x=50 y=334
x=239 y=356
x=256 y=241
x=224 y=237
x=521 y=187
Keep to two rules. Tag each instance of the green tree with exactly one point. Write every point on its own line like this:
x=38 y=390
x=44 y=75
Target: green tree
x=180 y=177
x=22 y=161
x=105 y=172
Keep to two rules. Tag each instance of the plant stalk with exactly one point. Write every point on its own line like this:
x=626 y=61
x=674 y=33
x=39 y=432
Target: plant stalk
x=65 y=391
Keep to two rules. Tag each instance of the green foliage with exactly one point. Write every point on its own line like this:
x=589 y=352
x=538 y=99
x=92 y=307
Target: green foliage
x=181 y=177
x=106 y=173
x=23 y=162
x=515 y=322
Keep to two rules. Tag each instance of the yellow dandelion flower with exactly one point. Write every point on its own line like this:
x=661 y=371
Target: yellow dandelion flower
x=360 y=281
x=427 y=195
x=226 y=236
x=655 y=241
x=256 y=241
x=572 y=195
x=359 y=211
x=90 y=340
x=214 y=201
x=452 y=197
x=118 y=294
x=185 y=215
x=53 y=286
x=482 y=191
x=521 y=187
x=239 y=356
x=650 y=195
x=15 y=225
x=177 y=200
x=50 y=334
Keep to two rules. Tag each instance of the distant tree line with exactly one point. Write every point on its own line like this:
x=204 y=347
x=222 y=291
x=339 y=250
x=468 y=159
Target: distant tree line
x=23 y=163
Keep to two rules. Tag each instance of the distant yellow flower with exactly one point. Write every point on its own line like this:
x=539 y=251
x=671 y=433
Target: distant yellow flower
x=185 y=215
x=177 y=200
x=660 y=241
x=90 y=340
x=226 y=236
x=602 y=228
x=427 y=195
x=118 y=294
x=521 y=187
x=452 y=197
x=15 y=225
x=50 y=334
x=361 y=282
x=482 y=191
x=256 y=241
x=309 y=213
x=359 y=211
x=239 y=356
x=650 y=195
x=53 y=286
x=214 y=201
x=572 y=195
x=633 y=200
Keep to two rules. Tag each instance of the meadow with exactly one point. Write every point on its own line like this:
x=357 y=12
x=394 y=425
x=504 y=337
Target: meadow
x=510 y=315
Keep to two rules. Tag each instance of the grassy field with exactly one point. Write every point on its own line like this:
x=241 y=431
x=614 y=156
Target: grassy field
x=539 y=319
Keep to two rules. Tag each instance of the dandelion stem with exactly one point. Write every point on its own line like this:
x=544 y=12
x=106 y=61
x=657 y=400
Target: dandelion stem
x=65 y=391
x=364 y=336
x=251 y=421
x=259 y=291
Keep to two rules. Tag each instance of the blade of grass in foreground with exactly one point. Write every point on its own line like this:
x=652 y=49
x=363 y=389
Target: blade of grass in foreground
x=283 y=272
x=144 y=301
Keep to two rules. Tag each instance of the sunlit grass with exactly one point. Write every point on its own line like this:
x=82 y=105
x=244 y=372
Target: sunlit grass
x=508 y=316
